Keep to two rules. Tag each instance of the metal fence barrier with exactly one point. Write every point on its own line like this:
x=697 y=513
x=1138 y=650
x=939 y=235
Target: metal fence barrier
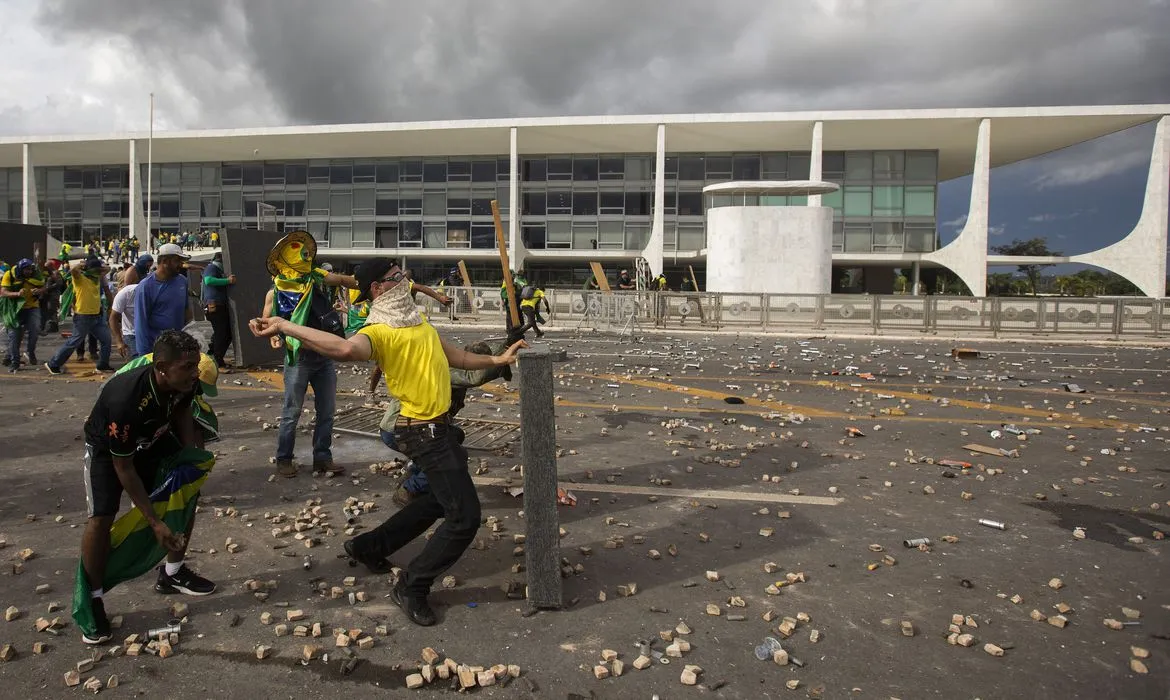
x=630 y=311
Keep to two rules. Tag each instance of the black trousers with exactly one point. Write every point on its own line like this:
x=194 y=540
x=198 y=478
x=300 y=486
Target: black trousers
x=452 y=497
x=530 y=320
x=221 y=332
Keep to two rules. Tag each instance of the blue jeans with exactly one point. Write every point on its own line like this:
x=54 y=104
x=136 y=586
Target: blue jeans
x=318 y=372
x=85 y=325
x=28 y=322
x=130 y=346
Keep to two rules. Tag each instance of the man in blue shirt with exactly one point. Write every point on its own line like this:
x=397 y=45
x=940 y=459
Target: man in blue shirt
x=215 y=305
x=160 y=302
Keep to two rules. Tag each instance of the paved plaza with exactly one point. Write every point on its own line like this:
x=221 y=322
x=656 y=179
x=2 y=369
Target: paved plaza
x=756 y=478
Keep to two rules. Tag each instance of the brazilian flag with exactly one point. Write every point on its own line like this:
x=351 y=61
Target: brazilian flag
x=9 y=308
x=133 y=547
x=293 y=298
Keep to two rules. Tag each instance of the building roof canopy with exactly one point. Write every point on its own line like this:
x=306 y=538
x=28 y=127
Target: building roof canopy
x=1017 y=134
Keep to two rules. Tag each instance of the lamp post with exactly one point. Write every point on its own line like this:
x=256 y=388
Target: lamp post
x=150 y=171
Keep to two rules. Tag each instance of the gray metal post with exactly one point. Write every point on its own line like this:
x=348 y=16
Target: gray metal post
x=538 y=437
x=875 y=313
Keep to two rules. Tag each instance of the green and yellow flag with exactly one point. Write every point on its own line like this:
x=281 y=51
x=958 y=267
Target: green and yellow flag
x=133 y=547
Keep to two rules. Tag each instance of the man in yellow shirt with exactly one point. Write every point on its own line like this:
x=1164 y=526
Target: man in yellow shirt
x=530 y=298
x=21 y=288
x=416 y=364
x=88 y=287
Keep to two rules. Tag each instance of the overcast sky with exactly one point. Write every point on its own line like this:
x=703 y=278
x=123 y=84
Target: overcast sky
x=75 y=66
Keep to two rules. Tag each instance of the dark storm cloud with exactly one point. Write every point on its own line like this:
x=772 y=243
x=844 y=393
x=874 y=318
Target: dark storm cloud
x=354 y=61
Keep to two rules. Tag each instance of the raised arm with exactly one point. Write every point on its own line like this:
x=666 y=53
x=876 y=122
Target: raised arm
x=354 y=349
x=335 y=280
x=441 y=298
x=461 y=359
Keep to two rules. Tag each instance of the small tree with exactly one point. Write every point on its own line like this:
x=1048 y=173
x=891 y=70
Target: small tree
x=1030 y=247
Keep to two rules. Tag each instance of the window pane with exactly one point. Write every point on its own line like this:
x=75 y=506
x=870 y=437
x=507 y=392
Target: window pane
x=858 y=200
x=483 y=171
x=273 y=173
x=690 y=203
x=167 y=209
x=889 y=165
x=189 y=203
x=887 y=200
x=585 y=203
x=483 y=236
x=458 y=234
x=887 y=236
x=481 y=206
x=920 y=200
x=411 y=171
x=319 y=173
x=584 y=235
x=410 y=234
x=691 y=168
x=559 y=203
x=585 y=169
x=638 y=168
x=341 y=174
x=434 y=203
x=835 y=200
x=386 y=172
x=638 y=203
x=295 y=206
x=92 y=208
x=210 y=208
x=387 y=207
x=859 y=166
x=112 y=206
x=459 y=205
x=775 y=166
x=115 y=178
x=296 y=174
x=560 y=168
x=210 y=176
x=170 y=176
x=833 y=165
x=435 y=172
x=533 y=236
x=858 y=239
x=746 y=168
x=458 y=170
x=533 y=170
x=772 y=200
x=919 y=239
x=233 y=202
x=411 y=206
x=612 y=202
x=232 y=174
x=612 y=168
x=364 y=173
x=435 y=235
x=533 y=203
x=253 y=175
x=921 y=165
x=718 y=167
x=318 y=201
x=340 y=204
x=798 y=166
x=364 y=199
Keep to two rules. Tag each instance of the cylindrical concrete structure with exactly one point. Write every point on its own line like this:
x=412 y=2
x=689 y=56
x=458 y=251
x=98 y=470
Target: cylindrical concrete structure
x=770 y=249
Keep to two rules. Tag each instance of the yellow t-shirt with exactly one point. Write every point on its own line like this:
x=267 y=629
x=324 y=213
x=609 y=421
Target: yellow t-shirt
x=415 y=367
x=87 y=297
x=537 y=295
x=25 y=287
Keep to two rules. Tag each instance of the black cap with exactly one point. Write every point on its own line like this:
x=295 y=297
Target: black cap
x=369 y=272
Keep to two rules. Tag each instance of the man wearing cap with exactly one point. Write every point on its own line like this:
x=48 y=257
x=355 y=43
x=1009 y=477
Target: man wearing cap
x=85 y=301
x=160 y=301
x=20 y=296
x=215 y=303
x=416 y=364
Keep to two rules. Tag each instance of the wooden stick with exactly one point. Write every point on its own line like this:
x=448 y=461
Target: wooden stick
x=466 y=277
x=599 y=277
x=513 y=311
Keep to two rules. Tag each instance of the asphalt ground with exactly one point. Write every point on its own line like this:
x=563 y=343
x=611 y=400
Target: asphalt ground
x=658 y=459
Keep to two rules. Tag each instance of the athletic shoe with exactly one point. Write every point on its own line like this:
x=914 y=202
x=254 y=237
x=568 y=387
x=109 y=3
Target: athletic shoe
x=185 y=581
x=52 y=369
x=101 y=624
x=374 y=564
x=416 y=608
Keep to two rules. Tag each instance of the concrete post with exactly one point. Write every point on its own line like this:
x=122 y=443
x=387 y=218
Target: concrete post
x=653 y=250
x=816 y=158
x=538 y=437
x=138 y=227
x=516 y=250
x=30 y=212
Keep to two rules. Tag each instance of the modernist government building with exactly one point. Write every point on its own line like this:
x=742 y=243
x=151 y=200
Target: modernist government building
x=576 y=189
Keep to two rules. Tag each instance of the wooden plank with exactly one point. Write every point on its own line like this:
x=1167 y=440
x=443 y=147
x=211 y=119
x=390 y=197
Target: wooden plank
x=694 y=281
x=599 y=277
x=463 y=272
x=513 y=310
x=668 y=492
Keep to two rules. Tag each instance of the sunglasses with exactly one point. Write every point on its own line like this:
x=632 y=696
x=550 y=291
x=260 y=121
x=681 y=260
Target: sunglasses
x=392 y=277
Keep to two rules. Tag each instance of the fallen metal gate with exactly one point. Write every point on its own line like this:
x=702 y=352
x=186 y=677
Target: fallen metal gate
x=481 y=434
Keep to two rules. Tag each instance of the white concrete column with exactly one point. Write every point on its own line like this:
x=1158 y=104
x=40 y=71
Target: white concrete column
x=30 y=213
x=966 y=256
x=916 y=277
x=653 y=250
x=1140 y=257
x=516 y=250
x=815 y=158
x=137 y=217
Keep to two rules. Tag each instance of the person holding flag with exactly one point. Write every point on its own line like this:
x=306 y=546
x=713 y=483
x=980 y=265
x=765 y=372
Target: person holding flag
x=21 y=289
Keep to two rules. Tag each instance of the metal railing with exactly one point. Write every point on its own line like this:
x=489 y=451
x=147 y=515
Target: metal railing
x=863 y=314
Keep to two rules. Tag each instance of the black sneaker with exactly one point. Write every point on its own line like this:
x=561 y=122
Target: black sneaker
x=101 y=623
x=52 y=369
x=374 y=564
x=32 y=361
x=185 y=581
x=417 y=609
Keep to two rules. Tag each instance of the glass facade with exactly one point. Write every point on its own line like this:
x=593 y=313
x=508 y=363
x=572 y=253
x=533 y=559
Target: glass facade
x=886 y=203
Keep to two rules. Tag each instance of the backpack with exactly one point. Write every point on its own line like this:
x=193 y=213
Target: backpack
x=528 y=292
